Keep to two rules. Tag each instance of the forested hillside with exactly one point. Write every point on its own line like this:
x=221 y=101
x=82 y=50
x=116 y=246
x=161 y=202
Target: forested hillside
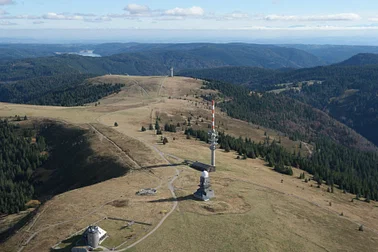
x=232 y=54
x=346 y=92
x=41 y=159
x=340 y=156
x=58 y=90
x=21 y=51
x=349 y=94
x=75 y=64
x=108 y=49
x=361 y=59
x=234 y=75
x=19 y=158
x=299 y=121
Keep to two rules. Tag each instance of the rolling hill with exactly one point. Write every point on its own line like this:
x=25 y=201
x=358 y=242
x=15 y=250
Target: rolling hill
x=361 y=59
x=10 y=52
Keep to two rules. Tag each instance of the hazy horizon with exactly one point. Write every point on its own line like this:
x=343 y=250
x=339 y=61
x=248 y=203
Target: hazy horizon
x=66 y=36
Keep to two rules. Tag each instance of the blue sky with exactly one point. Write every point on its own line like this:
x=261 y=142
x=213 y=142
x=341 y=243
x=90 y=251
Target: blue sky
x=255 y=18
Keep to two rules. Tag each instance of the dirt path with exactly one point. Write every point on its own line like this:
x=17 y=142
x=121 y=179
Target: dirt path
x=60 y=223
x=175 y=203
x=117 y=147
x=36 y=218
x=308 y=148
x=81 y=217
x=170 y=185
x=161 y=85
x=144 y=90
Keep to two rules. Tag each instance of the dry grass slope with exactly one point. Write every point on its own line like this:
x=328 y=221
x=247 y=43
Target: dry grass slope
x=252 y=211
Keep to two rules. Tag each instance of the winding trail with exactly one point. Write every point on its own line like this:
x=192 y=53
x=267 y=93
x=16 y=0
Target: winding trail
x=175 y=203
x=60 y=223
x=171 y=189
x=136 y=83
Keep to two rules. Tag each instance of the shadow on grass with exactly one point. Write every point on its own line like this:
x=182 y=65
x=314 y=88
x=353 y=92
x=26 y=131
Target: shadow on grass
x=69 y=244
x=182 y=198
x=137 y=222
x=11 y=231
x=162 y=165
x=72 y=162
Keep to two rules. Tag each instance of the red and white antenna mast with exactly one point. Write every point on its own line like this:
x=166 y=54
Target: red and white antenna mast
x=213 y=136
x=213 y=114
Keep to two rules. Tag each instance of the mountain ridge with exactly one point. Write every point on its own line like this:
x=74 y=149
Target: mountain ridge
x=361 y=59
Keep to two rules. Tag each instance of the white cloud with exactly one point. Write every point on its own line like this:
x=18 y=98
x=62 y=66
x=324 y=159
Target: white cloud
x=38 y=22
x=375 y=19
x=5 y=2
x=85 y=14
x=333 y=17
x=165 y=18
x=136 y=9
x=98 y=19
x=6 y=23
x=55 y=16
x=114 y=15
x=193 y=11
x=20 y=17
x=234 y=16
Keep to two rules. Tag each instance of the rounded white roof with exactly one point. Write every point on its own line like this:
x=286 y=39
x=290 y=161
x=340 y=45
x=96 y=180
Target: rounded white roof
x=205 y=174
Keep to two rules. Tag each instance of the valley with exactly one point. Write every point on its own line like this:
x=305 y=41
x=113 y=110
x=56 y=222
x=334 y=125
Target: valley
x=255 y=207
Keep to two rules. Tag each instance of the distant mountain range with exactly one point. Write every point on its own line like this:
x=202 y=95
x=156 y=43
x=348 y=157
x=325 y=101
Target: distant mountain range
x=331 y=54
x=159 y=59
x=324 y=54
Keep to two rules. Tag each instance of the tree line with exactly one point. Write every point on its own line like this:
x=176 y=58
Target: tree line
x=352 y=170
x=58 y=90
x=19 y=157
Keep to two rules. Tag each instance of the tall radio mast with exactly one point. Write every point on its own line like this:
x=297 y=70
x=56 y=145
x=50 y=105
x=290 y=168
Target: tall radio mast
x=205 y=192
x=213 y=135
